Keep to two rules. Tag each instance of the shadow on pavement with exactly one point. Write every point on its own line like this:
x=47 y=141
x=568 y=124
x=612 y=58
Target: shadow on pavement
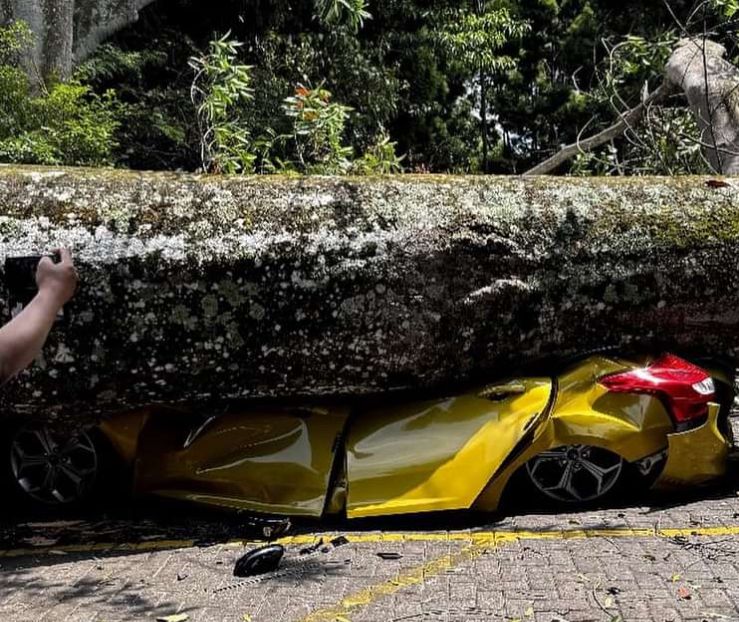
x=129 y=529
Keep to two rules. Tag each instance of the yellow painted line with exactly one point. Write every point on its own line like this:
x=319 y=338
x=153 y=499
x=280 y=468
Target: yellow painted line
x=491 y=537
x=480 y=541
x=406 y=578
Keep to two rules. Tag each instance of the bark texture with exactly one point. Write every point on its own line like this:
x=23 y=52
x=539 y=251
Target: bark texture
x=711 y=86
x=203 y=288
x=68 y=31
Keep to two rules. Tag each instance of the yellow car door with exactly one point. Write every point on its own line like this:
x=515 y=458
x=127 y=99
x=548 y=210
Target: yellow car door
x=438 y=454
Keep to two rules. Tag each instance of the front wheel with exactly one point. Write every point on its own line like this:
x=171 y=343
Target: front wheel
x=575 y=473
x=48 y=469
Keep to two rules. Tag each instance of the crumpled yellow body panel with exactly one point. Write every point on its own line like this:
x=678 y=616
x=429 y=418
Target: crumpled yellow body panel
x=276 y=460
x=584 y=412
x=695 y=456
x=439 y=454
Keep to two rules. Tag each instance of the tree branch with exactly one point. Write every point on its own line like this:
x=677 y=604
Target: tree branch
x=625 y=122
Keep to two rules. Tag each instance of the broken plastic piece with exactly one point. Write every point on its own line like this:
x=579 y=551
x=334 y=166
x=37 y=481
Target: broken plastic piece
x=389 y=555
x=260 y=560
x=308 y=550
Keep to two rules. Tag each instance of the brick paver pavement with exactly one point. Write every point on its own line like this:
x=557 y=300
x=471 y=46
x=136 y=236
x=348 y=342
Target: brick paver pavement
x=674 y=561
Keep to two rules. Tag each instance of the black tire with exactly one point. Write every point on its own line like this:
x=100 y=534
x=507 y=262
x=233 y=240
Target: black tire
x=47 y=471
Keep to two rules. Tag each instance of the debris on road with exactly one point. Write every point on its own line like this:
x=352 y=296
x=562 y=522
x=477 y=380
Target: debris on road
x=259 y=561
x=389 y=555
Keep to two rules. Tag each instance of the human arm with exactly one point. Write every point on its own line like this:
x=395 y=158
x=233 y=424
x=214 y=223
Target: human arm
x=22 y=338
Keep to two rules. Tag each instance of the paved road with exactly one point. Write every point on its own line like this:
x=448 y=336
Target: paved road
x=674 y=559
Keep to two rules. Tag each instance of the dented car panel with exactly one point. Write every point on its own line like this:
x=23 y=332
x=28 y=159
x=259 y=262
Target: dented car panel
x=416 y=456
x=630 y=425
x=272 y=460
x=435 y=455
x=584 y=413
x=695 y=456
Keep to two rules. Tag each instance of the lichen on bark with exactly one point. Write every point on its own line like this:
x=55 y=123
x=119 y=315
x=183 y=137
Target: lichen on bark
x=208 y=288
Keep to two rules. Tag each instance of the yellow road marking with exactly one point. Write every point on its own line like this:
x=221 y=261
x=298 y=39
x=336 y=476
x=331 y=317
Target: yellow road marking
x=475 y=544
x=404 y=579
x=479 y=542
x=488 y=537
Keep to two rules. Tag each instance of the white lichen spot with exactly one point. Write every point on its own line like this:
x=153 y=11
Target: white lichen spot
x=63 y=354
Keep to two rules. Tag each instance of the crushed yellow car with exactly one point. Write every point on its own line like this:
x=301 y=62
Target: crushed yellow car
x=572 y=437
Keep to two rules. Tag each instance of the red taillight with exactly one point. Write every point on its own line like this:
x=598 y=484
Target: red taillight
x=685 y=387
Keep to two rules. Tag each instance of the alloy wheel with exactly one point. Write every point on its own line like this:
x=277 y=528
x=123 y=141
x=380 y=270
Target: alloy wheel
x=575 y=473
x=51 y=469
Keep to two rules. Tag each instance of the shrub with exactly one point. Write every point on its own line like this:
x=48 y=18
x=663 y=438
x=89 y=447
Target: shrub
x=220 y=88
x=63 y=124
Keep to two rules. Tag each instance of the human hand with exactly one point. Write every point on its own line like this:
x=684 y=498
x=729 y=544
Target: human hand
x=58 y=281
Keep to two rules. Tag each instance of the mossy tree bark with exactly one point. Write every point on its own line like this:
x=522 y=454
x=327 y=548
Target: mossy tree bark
x=225 y=288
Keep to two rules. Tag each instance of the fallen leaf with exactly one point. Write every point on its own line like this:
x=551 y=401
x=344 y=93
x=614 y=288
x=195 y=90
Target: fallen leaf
x=608 y=602
x=175 y=617
x=683 y=593
x=246 y=617
x=529 y=612
x=676 y=577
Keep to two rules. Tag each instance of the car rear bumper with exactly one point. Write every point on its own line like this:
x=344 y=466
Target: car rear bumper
x=696 y=456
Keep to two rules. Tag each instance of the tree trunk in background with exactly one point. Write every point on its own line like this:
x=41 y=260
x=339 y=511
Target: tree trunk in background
x=711 y=85
x=202 y=288
x=68 y=31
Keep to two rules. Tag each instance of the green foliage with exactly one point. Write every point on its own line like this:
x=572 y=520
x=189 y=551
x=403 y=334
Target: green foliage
x=220 y=87
x=380 y=158
x=317 y=131
x=421 y=76
x=67 y=124
x=727 y=8
x=15 y=37
x=474 y=39
x=634 y=61
x=353 y=13
x=156 y=121
x=667 y=140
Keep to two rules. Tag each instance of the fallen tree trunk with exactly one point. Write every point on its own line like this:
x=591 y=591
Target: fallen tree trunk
x=203 y=288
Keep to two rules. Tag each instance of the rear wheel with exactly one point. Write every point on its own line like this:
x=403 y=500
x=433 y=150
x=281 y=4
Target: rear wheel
x=575 y=473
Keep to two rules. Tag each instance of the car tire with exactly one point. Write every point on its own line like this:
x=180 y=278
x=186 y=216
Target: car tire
x=575 y=474
x=45 y=471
